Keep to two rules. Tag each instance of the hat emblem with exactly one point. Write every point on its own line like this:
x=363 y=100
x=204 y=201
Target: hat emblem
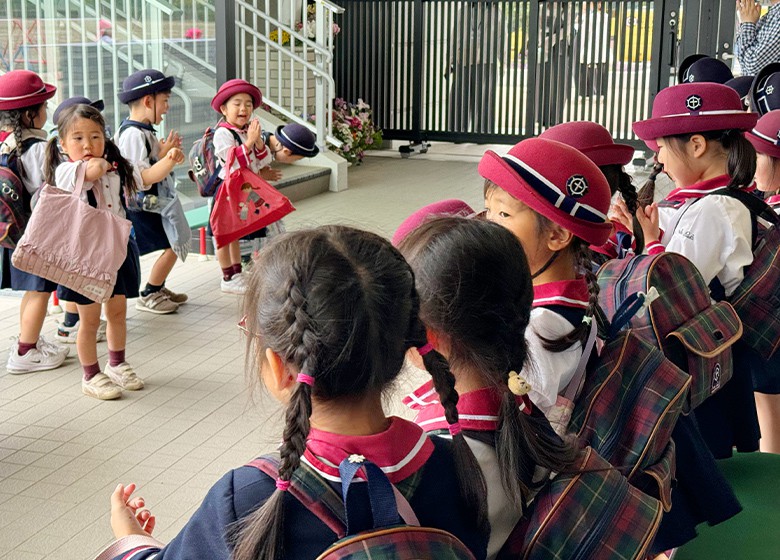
x=770 y=89
x=690 y=78
x=148 y=79
x=693 y=103
x=577 y=186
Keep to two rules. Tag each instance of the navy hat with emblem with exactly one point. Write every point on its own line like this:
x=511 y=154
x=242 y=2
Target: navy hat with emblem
x=693 y=108
x=298 y=139
x=765 y=91
x=741 y=84
x=145 y=82
x=703 y=68
x=71 y=101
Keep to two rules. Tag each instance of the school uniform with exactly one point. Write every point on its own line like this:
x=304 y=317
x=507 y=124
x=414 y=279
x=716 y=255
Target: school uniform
x=420 y=467
x=32 y=159
x=478 y=414
x=138 y=143
x=110 y=185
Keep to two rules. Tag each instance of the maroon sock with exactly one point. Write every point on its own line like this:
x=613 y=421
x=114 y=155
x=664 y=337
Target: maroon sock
x=115 y=357
x=91 y=371
x=24 y=347
x=237 y=268
x=227 y=273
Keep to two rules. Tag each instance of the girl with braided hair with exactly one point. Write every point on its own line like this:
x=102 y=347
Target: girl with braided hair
x=475 y=300
x=23 y=97
x=555 y=200
x=330 y=315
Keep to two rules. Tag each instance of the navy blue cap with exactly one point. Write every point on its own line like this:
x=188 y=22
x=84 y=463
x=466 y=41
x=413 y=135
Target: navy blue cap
x=298 y=139
x=703 y=68
x=741 y=85
x=145 y=82
x=71 y=101
x=765 y=91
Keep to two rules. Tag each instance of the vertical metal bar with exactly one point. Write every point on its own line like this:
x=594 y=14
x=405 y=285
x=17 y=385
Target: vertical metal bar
x=415 y=70
x=225 y=18
x=534 y=87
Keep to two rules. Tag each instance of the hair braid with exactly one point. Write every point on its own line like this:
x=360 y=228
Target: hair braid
x=646 y=194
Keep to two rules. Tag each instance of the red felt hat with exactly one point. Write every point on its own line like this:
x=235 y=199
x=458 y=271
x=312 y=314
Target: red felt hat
x=765 y=137
x=23 y=88
x=558 y=182
x=692 y=108
x=449 y=207
x=233 y=87
x=591 y=139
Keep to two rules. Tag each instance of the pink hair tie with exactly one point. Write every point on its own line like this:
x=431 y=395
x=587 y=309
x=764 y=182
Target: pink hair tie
x=307 y=379
x=423 y=350
x=455 y=429
x=282 y=485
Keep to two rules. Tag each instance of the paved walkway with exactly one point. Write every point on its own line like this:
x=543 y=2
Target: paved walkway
x=62 y=453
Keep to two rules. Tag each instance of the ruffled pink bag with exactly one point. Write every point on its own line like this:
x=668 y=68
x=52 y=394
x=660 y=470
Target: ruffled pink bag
x=73 y=244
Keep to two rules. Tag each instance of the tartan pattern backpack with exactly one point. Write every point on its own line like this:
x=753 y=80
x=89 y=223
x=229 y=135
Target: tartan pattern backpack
x=396 y=534
x=204 y=167
x=695 y=334
x=15 y=207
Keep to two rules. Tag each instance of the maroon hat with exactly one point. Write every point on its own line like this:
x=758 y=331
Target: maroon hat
x=693 y=108
x=449 y=207
x=556 y=181
x=591 y=139
x=233 y=87
x=23 y=88
x=765 y=137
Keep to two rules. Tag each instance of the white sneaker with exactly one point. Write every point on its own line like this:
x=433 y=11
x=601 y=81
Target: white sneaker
x=50 y=346
x=124 y=376
x=68 y=334
x=100 y=387
x=156 y=302
x=37 y=359
x=236 y=285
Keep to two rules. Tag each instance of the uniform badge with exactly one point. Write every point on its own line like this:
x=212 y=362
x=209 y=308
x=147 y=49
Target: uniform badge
x=577 y=186
x=693 y=103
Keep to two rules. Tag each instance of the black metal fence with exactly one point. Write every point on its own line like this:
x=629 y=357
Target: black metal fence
x=498 y=70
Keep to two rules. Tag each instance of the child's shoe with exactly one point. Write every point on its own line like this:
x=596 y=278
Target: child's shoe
x=68 y=335
x=50 y=346
x=124 y=376
x=101 y=387
x=156 y=302
x=173 y=296
x=37 y=359
x=236 y=285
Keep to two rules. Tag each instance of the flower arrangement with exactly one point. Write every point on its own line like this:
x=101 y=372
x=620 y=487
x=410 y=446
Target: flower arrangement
x=311 y=25
x=352 y=125
x=274 y=36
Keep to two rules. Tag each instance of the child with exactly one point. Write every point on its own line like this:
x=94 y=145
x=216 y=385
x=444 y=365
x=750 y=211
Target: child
x=596 y=142
x=82 y=140
x=765 y=138
x=330 y=314
x=291 y=142
x=23 y=97
x=238 y=132
x=475 y=300
x=147 y=92
x=555 y=200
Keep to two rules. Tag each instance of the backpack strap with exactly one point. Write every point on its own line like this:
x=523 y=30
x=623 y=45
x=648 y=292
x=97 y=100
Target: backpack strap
x=757 y=207
x=574 y=387
x=127 y=123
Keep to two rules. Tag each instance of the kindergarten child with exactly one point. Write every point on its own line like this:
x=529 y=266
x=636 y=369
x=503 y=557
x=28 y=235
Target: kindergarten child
x=23 y=97
x=555 y=200
x=147 y=92
x=291 y=142
x=82 y=140
x=765 y=138
x=239 y=133
x=475 y=301
x=330 y=314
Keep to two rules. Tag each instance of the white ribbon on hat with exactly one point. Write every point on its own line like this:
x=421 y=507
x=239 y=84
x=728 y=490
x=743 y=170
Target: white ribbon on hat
x=147 y=84
x=775 y=141
x=304 y=148
x=697 y=113
x=25 y=96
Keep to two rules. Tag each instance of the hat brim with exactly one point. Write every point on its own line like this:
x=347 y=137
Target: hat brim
x=610 y=154
x=493 y=168
x=166 y=84
x=222 y=96
x=45 y=95
x=651 y=129
x=296 y=150
x=763 y=146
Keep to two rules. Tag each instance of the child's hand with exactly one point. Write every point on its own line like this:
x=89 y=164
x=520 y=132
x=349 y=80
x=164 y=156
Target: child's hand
x=619 y=213
x=270 y=174
x=253 y=134
x=167 y=144
x=175 y=155
x=96 y=168
x=648 y=219
x=128 y=516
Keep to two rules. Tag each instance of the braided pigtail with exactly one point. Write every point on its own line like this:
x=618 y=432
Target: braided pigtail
x=646 y=194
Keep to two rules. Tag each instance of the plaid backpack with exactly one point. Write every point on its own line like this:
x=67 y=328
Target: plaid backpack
x=204 y=167
x=695 y=334
x=396 y=534
x=14 y=200
x=592 y=513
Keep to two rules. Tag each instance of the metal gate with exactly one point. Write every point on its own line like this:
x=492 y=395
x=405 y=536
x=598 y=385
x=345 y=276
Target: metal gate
x=499 y=70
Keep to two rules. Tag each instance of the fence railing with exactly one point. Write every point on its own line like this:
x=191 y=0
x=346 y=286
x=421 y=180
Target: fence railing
x=289 y=50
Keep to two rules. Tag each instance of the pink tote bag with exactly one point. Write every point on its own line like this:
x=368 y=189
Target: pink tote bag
x=73 y=244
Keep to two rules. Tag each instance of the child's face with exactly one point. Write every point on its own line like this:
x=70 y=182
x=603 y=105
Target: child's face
x=767 y=173
x=160 y=107
x=238 y=109
x=85 y=139
x=284 y=155
x=504 y=209
x=677 y=164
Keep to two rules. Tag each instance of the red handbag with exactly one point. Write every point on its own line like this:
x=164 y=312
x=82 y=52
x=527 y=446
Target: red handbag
x=244 y=204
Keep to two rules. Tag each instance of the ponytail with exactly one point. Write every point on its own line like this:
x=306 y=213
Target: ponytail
x=52 y=158
x=742 y=158
x=124 y=168
x=646 y=194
